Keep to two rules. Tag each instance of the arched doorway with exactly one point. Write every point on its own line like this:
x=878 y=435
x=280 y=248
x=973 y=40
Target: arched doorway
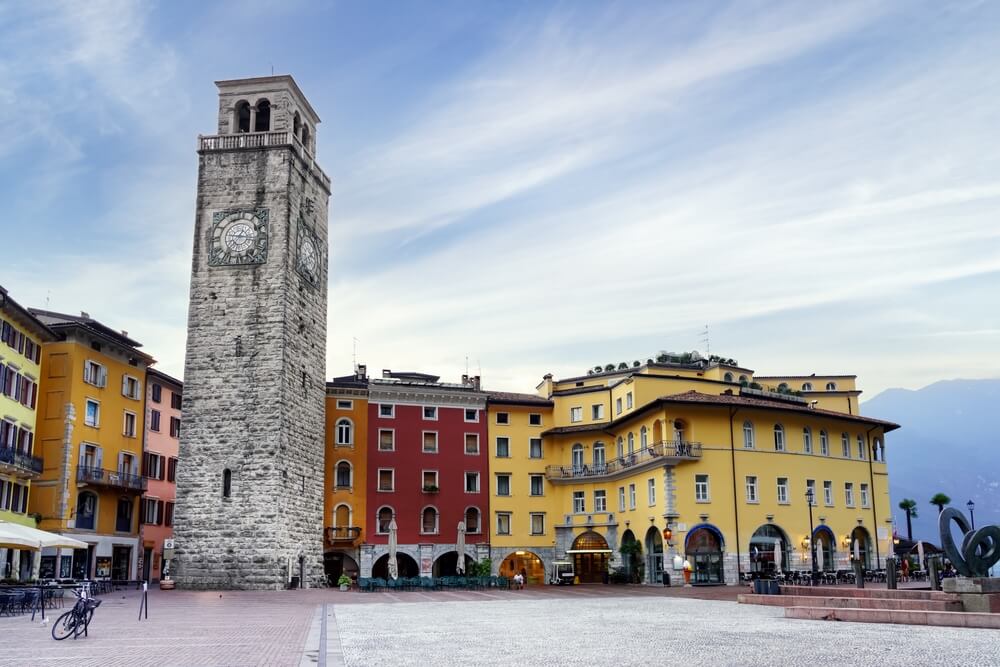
x=447 y=565
x=769 y=550
x=703 y=549
x=336 y=563
x=407 y=566
x=826 y=551
x=631 y=553
x=861 y=547
x=590 y=557
x=526 y=563
x=654 y=555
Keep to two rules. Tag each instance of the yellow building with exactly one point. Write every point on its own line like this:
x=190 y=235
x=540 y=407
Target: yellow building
x=91 y=421
x=21 y=338
x=709 y=457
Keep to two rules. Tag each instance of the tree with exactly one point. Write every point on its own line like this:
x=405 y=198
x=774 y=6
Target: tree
x=940 y=500
x=909 y=506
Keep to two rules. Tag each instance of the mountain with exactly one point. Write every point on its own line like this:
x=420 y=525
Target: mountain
x=948 y=444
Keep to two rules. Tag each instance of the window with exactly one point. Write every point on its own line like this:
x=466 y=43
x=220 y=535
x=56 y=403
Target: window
x=429 y=521
x=643 y=438
x=175 y=427
x=471 y=415
x=92 y=417
x=386 y=411
x=537 y=523
x=600 y=501
x=599 y=456
x=849 y=494
x=430 y=413
x=824 y=443
x=783 y=490
x=503 y=523
x=534 y=419
x=153 y=466
x=503 y=484
x=503 y=447
x=807 y=440
x=536 y=485
x=227 y=483
x=811 y=491
x=864 y=495
x=831 y=386
x=828 y=493
x=472 y=482
x=430 y=480
x=154 y=420
x=345 y=432
x=345 y=404
x=503 y=418
x=385 y=515
x=845 y=445
x=621 y=498
x=807 y=386
x=172 y=469
x=701 y=488
x=95 y=374
x=577 y=457
x=620 y=450
x=343 y=476
x=728 y=377
x=131 y=387
x=129 y=427
x=631 y=444
x=651 y=490
x=157 y=393
x=631 y=496
x=123 y=518
x=576 y=414
x=597 y=411
x=861 y=447
x=472 y=520
x=579 y=502
x=386 y=479
x=535 y=448
x=618 y=405
x=151 y=509
x=175 y=400
x=386 y=440
x=430 y=445
x=86 y=510
x=751 y=488
x=471 y=443
x=779 y=438
x=628 y=401
x=747 y=435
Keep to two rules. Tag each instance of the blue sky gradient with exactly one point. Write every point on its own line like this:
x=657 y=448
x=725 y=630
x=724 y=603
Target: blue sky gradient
x=541 y=187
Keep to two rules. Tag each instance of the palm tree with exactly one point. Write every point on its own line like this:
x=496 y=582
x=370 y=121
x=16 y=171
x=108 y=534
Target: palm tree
x=940 y=500
x=909 y=506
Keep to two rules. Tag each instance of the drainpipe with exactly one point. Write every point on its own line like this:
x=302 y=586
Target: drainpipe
x=736 y=506
x=871 y=479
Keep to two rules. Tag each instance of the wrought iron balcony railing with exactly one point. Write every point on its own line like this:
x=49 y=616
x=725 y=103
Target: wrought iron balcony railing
x=342 y=533
x=111 y=478
x=24 y=465
x=668 y=451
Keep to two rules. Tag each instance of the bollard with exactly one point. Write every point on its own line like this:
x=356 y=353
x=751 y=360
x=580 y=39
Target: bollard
x=932 y=566
x=890 y=574
x=859 y=574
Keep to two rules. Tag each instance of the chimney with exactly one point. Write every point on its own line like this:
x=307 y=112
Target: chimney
x=362 y=372
x=465 y=379
x=475 y=382
x=85 y=314
x=386 y=373
x=124 y=333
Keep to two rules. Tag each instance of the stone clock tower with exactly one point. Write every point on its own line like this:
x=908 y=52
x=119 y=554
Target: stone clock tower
x=249 y=510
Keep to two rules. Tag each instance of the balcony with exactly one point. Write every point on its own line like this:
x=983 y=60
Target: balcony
x=111 y=478
x=20 y=464
x=669 y=452
x=255 y=140
x=337 y=534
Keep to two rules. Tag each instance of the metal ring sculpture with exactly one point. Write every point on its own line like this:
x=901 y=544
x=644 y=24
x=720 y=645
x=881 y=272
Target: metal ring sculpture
x=980 y=548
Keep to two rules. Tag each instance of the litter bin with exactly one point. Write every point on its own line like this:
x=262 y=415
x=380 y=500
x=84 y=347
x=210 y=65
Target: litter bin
x=666 y=578
x=758 y=586
x=772 y=587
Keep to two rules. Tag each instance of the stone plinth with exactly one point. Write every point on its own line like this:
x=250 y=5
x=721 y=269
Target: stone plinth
x=980 y=594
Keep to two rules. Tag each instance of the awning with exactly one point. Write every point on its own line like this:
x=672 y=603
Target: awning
x=32 y=538
x=589 y=551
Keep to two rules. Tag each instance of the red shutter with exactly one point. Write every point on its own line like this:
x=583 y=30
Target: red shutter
x=159 y=512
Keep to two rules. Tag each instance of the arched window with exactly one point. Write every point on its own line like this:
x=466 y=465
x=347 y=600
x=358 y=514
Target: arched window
x=807 y=386
x=242 y=117
x=728 y=377
x=384 y=519
x=783 y=386
x=429 y=521
x=296 y=125
x=578 y=456
x=748 y=434
x=344 y=475
x=779 y=438
x=306 y=138
x=227 y=483
x=845 y=445
x=631 y=443
x=598 y=455
x=744 y=380
x=621 y=447
x=345 y=432
x=472 y=520
x=643 y=438
x=824 y=443
x=831 y=386
x=342 y=516
x=263 y=121
x=807 y=440
x=679 y=429
x=86 y=510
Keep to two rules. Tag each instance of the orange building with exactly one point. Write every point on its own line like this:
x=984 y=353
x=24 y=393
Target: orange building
x=345 y=473
x=159 y=467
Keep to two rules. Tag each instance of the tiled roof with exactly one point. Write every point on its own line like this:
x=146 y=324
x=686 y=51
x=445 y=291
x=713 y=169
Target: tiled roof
x=800 y=377
x=168 y=378
x=512 y=398
x=61 y=321
x=39 y=328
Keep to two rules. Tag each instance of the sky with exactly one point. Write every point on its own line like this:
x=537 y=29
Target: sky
x=527 y=187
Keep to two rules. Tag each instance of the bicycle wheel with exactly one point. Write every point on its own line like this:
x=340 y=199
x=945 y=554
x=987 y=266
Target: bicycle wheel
x=64 y=626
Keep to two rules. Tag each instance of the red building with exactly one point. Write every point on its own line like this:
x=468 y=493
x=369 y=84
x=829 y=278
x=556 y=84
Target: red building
x=427 y=469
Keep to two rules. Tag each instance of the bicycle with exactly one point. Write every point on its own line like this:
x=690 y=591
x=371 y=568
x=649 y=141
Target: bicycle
x=77 y=619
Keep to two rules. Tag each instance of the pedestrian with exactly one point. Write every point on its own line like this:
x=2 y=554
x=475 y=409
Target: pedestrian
x=518 y=581
x=904 y=569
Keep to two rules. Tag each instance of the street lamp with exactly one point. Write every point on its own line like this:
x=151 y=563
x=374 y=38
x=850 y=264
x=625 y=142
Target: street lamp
x=972 y=516
x=812 y=542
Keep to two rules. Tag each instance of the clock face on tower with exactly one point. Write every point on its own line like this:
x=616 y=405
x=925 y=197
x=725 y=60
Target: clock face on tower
x=238 y=237
x=308 y=259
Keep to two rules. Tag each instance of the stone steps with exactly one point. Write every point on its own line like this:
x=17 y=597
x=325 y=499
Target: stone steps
x=957 y=619
x=841 y=602
x=879 y=593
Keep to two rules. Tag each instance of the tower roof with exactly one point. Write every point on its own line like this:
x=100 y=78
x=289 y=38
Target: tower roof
x=268 y=83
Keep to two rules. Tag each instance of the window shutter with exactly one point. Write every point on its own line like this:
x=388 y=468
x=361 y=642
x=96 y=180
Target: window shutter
x=83 y=449
x=163 y=468
x=124 y=385
x=99 y=459
x=172 y=470
x=3 y=378
x=159 y=512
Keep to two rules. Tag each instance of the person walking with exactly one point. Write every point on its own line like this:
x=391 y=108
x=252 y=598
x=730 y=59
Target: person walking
x=904 y=569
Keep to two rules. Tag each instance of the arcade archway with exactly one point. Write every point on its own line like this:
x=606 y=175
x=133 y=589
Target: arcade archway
x=526 y=563
x=407 y=566
x=590 y=554
x=654 y=555
x=446 y=565
x=703 y=549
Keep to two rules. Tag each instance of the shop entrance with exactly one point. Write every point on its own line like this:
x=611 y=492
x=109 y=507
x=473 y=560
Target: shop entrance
x=120 y=561
x=703 y=547
x=590 y=558
x=526 y=563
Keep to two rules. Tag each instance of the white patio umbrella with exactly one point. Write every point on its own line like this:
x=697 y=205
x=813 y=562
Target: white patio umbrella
x=857 y=549
x=920 y=555
x=460 y=547
x=819 y=555
x=393 y=565
x=777 y=556
x=35 y=540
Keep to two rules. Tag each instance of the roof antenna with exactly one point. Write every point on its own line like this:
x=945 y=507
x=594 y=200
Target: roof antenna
x=48 y=294
x=466 y=365
x=354 y=354
x=272 y=69
x=708 y=345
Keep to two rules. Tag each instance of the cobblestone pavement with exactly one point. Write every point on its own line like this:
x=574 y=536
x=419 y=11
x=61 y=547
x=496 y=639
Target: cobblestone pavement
x=579 y=625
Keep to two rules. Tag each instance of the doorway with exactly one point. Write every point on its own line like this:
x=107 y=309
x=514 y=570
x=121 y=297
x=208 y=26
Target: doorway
x=120 y=563
x=590 y=558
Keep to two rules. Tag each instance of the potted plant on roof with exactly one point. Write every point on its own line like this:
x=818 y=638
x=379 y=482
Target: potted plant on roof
x=344 y=582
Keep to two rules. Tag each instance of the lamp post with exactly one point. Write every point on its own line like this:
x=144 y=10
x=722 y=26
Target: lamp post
x=812 y=542
x=972 y=516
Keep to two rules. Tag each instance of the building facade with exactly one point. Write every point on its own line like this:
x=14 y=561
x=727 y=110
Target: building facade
x=91 y=423
x=254 y=380
x=22 y=336
x=159 y=468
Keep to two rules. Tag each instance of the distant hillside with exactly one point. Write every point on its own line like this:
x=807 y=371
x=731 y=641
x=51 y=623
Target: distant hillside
x=948 y=443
